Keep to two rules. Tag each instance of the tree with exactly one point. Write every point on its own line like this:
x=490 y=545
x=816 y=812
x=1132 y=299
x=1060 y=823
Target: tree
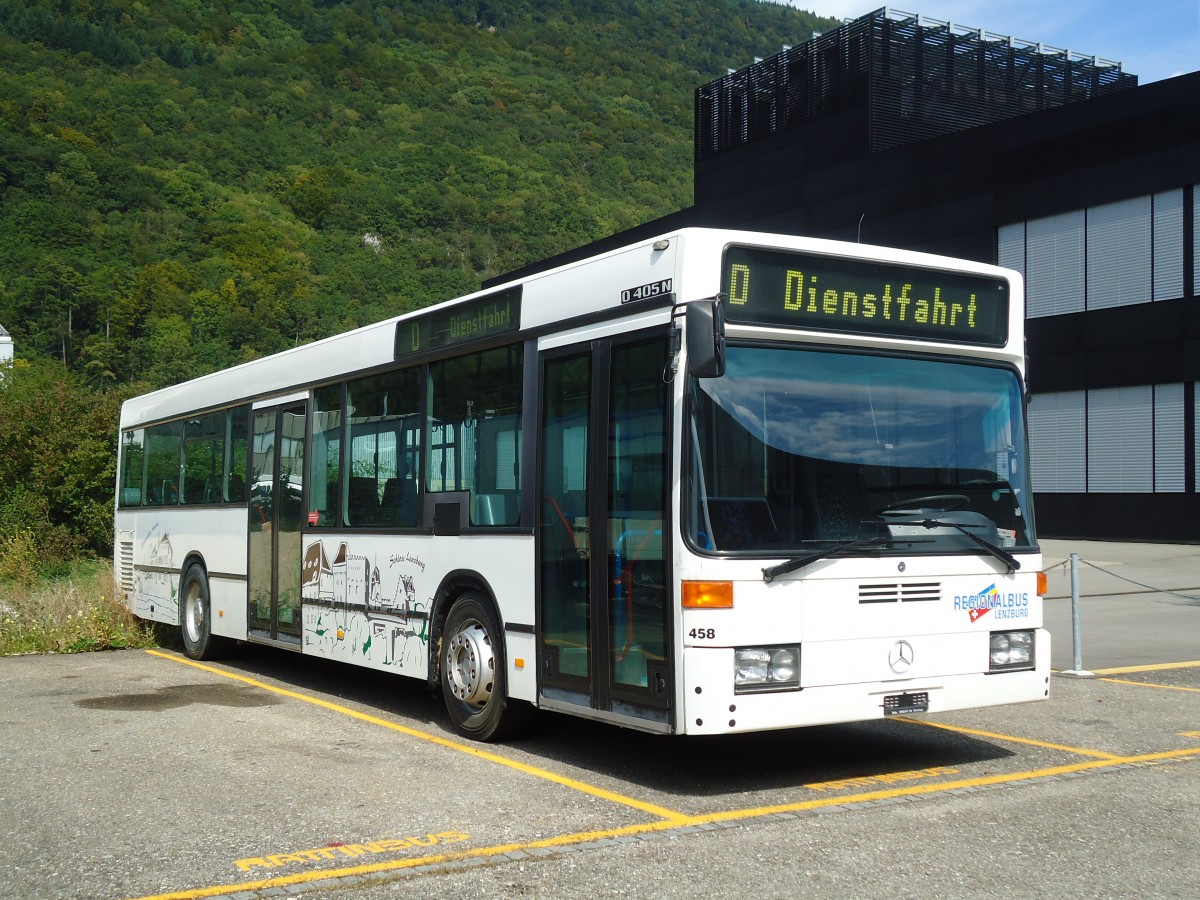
x=57 y=459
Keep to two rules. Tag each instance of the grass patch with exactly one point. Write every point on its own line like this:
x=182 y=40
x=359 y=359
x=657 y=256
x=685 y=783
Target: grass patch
x=76 y=613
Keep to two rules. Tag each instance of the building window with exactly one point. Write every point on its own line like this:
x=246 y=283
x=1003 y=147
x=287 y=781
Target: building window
x=1168 y=439
x=1054 y=250
x=1195 y=231
x=1057 y=445
x=1120 y=422
x=1127 y=440
x=1010 y=246
x=1196 y=418
x=1118 y=254
x=1168 y=245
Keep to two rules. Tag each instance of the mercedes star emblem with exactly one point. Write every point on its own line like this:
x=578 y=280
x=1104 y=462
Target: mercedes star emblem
x=901 y=657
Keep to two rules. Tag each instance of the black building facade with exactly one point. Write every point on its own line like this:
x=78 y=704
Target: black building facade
x=904 y=132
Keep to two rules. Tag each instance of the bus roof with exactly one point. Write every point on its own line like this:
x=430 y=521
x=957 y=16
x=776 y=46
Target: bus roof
x=586 y=287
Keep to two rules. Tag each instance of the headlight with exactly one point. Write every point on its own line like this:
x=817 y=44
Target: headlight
x=1011 y=650
x=766 y=669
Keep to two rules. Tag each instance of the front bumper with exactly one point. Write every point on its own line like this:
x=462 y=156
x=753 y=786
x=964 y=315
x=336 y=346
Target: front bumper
x=710 y=706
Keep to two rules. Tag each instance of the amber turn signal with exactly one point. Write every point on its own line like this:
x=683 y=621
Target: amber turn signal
x=708 y=595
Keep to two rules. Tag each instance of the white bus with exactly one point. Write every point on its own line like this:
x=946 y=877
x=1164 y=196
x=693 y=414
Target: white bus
x=714 y=482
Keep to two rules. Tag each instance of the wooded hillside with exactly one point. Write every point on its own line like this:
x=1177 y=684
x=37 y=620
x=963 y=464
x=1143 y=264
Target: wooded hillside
x=186 y=185
x=191 y=184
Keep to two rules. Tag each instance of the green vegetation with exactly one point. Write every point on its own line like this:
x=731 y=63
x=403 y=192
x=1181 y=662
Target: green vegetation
x=75 y=613
x=187 y=185
x=57 y=468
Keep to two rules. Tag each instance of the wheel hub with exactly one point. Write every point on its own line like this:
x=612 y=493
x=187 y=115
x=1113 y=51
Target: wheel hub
x=470 y=665
x=194 y=613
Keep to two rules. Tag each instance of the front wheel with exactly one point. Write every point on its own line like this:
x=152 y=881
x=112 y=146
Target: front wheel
x=472 y=673
x=195 y=619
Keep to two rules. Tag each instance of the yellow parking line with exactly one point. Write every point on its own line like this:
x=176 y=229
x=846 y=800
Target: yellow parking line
x=943 y=787
x=566 y=840
x=563 y=840
x=1157 y=667
x=1098 y=754
x=670 y=815
x=1164 y=687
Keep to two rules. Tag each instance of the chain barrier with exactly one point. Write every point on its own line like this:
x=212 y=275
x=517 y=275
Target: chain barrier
x=1148 y=587
x=1076 y=637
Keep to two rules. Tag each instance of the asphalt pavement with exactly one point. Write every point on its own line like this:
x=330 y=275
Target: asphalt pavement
x=141 y=774
x=1139 y=603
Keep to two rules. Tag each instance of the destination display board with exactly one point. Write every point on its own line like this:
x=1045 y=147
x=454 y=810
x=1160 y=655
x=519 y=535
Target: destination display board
x=831 y=293
x=463 y=323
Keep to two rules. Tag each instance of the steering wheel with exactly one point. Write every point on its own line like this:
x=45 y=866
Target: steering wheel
x=941 y=502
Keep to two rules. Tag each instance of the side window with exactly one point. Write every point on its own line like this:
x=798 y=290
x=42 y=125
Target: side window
x=237 y=449
x=475 y=432
x=162 y=464
x=385 y=433
x=204 y=459
x=132 y=464
x=325 y=461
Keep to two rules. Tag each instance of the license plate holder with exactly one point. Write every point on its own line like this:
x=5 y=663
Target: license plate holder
x=906 y=703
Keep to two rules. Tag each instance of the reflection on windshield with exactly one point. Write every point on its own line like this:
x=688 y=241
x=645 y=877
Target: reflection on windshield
x=793 y=446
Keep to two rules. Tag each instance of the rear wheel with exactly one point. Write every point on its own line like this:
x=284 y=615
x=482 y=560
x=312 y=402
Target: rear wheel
x=195 y=617
x=472 y=673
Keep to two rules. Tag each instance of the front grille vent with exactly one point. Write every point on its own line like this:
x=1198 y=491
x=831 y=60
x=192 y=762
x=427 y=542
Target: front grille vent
x=896 y=592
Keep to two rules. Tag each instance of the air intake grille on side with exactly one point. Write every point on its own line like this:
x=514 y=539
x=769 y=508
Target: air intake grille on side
x=126 y=567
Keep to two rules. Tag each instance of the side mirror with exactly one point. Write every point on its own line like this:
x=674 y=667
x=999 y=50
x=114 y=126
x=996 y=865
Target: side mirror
x=705 y=322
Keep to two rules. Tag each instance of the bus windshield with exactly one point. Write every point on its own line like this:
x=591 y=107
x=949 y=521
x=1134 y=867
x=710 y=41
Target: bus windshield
x=796 y=449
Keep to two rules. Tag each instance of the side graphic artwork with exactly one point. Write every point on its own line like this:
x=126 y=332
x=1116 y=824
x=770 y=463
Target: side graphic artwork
x=155 y=581
x=354 y=609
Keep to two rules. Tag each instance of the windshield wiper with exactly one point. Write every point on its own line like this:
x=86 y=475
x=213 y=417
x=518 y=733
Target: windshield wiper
x=1003 y=555
x=770 y=573
x=800 y=562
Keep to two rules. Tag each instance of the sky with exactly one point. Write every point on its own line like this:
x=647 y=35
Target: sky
x=1155 y=40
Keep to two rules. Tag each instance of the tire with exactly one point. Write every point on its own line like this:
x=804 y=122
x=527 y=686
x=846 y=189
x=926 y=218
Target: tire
x=195 y=617
x=472 y=670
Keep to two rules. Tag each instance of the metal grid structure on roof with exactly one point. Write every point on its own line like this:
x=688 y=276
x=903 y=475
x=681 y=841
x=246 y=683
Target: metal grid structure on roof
x=920 y=77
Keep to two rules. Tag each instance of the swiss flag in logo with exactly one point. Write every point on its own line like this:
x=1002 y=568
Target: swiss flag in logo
x=976 y=614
